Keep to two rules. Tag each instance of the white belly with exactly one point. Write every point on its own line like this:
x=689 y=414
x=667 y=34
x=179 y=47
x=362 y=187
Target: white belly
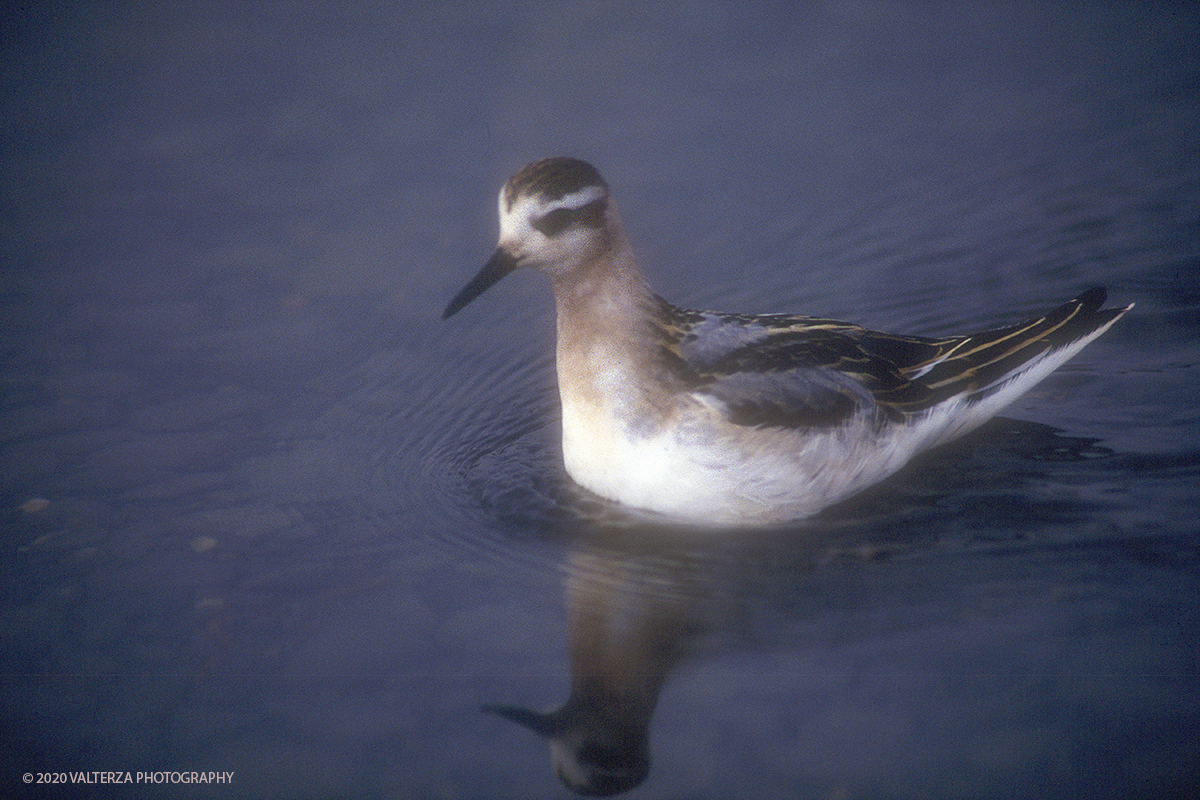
x=706 y=471
x=702 y=469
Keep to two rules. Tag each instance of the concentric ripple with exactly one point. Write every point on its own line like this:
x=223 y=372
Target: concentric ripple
x=470 y=460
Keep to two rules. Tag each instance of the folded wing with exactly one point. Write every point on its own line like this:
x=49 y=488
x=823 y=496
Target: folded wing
x=801 y=372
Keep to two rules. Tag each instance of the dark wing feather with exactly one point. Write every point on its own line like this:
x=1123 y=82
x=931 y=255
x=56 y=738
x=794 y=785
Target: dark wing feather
x=774 y=370
x=802 y=372
x=976 y=363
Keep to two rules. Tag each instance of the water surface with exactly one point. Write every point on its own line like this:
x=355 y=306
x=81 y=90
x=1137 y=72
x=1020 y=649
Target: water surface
x=264 y=512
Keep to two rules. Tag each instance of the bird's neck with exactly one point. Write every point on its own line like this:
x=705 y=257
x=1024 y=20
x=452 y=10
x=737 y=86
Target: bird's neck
x=606 y=297
x=607 y=341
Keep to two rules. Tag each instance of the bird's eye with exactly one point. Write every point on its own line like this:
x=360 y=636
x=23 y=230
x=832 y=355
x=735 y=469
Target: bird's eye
x=555 y=222
x=558 y=220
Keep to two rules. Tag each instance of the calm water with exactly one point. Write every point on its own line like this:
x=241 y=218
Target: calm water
x=263 y=512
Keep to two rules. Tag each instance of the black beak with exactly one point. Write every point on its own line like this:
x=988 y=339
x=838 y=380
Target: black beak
x=500 y=264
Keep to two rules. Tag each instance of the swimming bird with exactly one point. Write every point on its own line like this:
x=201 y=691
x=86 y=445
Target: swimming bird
x=732 y=420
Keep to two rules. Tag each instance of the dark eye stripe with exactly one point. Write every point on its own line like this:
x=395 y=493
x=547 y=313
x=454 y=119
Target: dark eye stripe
x=558 y=220
x=555 y=222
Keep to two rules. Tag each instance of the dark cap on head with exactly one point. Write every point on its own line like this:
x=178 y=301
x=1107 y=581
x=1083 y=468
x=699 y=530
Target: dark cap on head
x=551 y=178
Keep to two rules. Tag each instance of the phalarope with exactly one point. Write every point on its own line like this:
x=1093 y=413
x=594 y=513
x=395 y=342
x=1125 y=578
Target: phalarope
x=741 y=419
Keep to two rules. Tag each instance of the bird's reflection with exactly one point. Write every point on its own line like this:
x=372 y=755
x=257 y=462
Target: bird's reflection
x=635 y=612
x=630 y=620
x=642 y=598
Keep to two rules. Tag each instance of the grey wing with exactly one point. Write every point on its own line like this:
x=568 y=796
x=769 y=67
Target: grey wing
x=784 y=371
x=803 y=397
x=789 y=371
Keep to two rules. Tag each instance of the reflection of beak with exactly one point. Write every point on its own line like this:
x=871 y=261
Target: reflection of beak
x=500 y=264
x=543 y=724
x=591 y=757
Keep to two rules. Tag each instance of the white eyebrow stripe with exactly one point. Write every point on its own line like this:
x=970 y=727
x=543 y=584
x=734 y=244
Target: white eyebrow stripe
x=578 y=199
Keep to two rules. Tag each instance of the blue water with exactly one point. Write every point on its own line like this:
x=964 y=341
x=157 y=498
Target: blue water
x=264 y=512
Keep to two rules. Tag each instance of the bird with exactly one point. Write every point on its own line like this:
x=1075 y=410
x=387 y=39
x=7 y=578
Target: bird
x=725 y=420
